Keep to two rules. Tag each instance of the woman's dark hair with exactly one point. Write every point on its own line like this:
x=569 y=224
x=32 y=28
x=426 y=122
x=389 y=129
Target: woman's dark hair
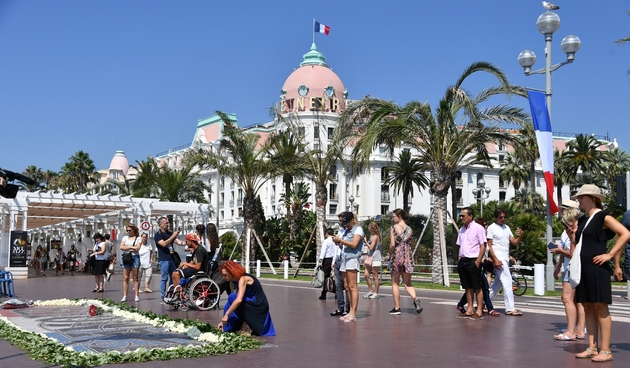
x=213 y=237
x=200 y=229
x=400 y=213
x=98 y=236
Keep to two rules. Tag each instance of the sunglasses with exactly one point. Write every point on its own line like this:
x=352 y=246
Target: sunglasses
x=129 y=230
x=502 y=217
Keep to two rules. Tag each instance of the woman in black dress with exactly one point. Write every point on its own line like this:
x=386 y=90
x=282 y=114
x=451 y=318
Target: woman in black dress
x=247 y=304
x=594 y=290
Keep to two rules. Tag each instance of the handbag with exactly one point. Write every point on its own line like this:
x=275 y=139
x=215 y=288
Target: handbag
x=176 y=258
x=318 y=278
x=368 y=261
x=331 y=284
x=575 y=265
x=127 y=258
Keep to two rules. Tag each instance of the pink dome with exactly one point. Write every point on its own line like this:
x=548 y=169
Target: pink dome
x=119 y=163
x=312 y=84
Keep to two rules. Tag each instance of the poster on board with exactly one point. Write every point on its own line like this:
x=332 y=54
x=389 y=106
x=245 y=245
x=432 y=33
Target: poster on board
x=18 y=249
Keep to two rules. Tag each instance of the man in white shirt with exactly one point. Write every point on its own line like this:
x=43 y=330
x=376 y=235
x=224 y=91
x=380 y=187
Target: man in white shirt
x=326 y=258
x=499 y=238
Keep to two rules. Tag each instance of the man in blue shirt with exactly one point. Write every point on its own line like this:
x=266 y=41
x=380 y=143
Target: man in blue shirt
x=164 y=239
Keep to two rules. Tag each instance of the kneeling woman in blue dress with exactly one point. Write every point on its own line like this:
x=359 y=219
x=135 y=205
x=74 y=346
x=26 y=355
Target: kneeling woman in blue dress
x=246 y=304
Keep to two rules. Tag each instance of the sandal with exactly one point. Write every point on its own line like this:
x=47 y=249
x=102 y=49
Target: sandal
x=563 y=337
x=607 y=357
x=494 y=313
x=514 y=312
x=350 y=318
x=588 y=353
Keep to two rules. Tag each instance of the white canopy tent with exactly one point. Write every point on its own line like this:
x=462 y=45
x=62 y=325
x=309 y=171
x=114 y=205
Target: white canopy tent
x=74 y=218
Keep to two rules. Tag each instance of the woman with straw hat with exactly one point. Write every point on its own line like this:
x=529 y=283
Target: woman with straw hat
x=594 y=289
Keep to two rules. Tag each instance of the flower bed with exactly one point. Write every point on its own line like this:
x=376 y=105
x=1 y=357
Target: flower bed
x=39 y=346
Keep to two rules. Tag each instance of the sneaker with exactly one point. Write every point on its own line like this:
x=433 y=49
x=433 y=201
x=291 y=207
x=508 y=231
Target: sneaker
x=395 y=311
x=367 y=295
x=124 y=298
x=418 y=305
x=374 y=296
x=137 y=299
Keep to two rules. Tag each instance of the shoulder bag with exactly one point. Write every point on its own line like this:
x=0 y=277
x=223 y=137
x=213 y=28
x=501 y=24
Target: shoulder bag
x=127 y=258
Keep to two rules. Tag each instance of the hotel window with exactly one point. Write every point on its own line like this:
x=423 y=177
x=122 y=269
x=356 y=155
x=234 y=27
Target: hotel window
x=332 y=209
x=331 y=131
x=316 y=132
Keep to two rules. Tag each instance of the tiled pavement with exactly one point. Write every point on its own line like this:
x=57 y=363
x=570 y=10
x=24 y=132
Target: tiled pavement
x=309 y=337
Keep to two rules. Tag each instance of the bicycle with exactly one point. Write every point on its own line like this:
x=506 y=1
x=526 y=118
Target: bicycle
x=519 y=282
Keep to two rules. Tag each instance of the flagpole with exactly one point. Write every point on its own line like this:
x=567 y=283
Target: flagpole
x=313 y=29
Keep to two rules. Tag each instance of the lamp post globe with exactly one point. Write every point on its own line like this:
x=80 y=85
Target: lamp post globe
x=548 y=23
x=570 y=45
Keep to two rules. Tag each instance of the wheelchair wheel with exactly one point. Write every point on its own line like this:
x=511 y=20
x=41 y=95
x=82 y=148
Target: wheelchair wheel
x=204 y=294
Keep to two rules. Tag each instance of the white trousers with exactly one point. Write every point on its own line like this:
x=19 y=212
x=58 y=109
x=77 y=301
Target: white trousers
x=503 y=278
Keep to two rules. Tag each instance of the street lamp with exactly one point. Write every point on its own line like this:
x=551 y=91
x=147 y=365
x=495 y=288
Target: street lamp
x=482 y=192
x=547 y=24
x=351 y=200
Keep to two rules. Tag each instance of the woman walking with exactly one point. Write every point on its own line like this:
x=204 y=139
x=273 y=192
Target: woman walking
x=146 y=262
x=373 y=261
x=99 y=263
x=130 y=245
x=594 y=289
x=400 y=255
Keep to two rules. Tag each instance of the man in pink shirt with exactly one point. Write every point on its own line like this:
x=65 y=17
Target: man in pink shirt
x=472 y=246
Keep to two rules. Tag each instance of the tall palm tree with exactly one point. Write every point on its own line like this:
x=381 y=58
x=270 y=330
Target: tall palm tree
x=562 y=175
x=404 y=173
x=78 y=173
x=617 y=163
x=180 y=185
x=246 y=164
x=526 y=150
x=36 y=174
x=514 y=171
x=583 y=153
x=287 y=149
x=452 y=137
x=51 y=180
x=144 y=186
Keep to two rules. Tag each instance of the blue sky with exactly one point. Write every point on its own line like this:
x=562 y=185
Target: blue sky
x=136 y=76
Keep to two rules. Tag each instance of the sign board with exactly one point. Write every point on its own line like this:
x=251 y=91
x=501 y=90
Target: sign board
x=145 y=225
x=18 y=249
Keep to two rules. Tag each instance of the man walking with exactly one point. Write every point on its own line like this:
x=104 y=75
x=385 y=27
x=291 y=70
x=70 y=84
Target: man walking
x=499 y=238
x=472 y=246
x=164 y=239
x=326 y=258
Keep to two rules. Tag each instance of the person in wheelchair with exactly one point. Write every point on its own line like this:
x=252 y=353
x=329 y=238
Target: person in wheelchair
x=199 y=261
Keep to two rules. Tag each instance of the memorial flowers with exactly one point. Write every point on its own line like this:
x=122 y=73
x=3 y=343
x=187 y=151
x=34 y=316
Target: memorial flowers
x=50 y=350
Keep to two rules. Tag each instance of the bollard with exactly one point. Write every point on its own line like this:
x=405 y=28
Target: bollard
x=258 y=268
x=286 y=269
x=628 y=289
x=539 y=279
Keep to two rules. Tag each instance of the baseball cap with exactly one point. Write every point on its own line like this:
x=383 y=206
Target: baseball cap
x=346 y=217
x=192 y=237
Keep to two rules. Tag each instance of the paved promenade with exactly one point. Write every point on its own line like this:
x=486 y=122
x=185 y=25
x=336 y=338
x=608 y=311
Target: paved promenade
x=309 y=337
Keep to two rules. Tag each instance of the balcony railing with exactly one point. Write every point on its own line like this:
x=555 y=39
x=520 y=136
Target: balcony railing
x=333 y=197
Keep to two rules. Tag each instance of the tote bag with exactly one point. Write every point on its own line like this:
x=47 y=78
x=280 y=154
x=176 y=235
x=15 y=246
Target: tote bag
x=575 y=265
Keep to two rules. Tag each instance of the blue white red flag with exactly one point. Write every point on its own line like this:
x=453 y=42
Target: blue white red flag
x=320 y=28
x=544 y=137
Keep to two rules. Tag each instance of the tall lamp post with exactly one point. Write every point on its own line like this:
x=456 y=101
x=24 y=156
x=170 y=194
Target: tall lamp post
x=481 y=192
x=547 y=24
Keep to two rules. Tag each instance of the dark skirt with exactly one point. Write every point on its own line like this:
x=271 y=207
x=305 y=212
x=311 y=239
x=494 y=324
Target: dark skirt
x=99 y=267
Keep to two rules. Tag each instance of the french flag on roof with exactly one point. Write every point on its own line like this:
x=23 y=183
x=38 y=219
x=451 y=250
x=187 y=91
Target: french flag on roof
x=320 y=28
x=544 y=138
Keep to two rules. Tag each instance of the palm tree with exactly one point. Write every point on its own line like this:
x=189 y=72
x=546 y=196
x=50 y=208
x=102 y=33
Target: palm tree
x=287 y=149
x=295 y=201
x=182 y=185
x=583 y=153
x=514 y=171
x=404 y=173
x=124 y=188
x=617 y=163
x=526 y=150
x=624 y=41
x=444 y=145
x=51 y=180
x=36 y=174
x=530 y=201
x=78 y=173
x=562 y=175
x=247 y=166
x=145 y=184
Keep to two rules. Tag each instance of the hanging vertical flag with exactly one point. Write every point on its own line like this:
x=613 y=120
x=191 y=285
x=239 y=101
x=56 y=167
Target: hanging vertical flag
x=544 y=138
x=320 y=28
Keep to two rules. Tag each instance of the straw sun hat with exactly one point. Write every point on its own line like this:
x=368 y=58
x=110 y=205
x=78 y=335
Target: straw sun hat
x=589 y=190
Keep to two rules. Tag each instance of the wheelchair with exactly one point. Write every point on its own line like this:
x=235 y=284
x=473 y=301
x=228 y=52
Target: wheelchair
x=199 y=292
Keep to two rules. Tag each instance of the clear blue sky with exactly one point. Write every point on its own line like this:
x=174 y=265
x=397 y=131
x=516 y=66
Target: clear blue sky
x=136 y=76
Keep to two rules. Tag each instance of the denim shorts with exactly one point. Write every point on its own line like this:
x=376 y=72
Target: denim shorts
x=135 y=264
x=351 y=264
